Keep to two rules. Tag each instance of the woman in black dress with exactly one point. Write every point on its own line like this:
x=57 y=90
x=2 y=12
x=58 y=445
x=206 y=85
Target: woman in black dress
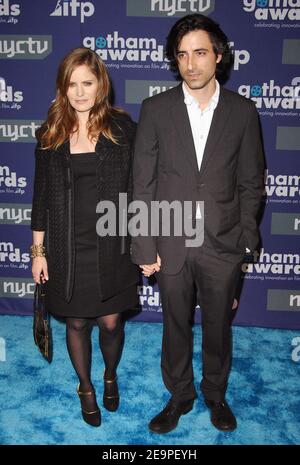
x=83 y=156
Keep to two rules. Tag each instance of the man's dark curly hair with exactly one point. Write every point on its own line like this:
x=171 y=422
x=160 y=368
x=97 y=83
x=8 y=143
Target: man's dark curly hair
x=196 y=22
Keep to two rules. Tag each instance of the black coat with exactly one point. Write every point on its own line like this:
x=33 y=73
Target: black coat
x=52 y=211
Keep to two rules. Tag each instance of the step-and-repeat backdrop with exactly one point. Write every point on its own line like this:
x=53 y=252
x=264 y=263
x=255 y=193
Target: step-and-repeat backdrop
x=129 y=35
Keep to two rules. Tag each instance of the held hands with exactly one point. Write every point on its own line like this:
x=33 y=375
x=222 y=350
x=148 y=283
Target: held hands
x=148 y=270
x=39 y=270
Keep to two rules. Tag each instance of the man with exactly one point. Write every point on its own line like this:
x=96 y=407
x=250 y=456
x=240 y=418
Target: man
x=198 y=142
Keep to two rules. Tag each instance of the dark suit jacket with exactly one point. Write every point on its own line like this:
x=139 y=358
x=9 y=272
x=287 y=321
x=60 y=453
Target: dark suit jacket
x=230 y=181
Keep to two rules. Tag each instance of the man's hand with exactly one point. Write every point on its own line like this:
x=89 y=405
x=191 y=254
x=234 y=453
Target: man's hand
x=148 y=270
x=248 y=256
x=235 y=304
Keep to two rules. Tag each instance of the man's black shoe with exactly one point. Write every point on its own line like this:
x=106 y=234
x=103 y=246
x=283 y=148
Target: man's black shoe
x=167 y=420
x=221 y=415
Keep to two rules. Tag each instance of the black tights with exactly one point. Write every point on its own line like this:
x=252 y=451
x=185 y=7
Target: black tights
x=111 y=338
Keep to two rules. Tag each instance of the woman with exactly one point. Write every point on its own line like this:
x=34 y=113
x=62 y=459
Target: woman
x=84 y=156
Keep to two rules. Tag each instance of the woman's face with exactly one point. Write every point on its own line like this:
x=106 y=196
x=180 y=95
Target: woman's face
x=83 y=88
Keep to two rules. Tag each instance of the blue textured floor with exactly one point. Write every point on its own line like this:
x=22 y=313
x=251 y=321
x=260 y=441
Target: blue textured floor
x=39 y=405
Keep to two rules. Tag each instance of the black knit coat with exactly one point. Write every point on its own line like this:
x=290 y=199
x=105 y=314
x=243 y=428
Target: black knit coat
x=53 y=211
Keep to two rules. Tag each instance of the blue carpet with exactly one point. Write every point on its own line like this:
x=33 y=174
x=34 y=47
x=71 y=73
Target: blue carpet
x=39 y=405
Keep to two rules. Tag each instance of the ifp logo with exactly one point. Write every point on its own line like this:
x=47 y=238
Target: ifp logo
x=74 y=8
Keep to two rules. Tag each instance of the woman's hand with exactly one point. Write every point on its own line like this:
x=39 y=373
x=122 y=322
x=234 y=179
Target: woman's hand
x=148 y=270
x=39 y=270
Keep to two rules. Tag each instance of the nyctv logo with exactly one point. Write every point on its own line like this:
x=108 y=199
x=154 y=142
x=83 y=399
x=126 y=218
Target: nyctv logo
x=283 y=300
x=176 y=8
x=285 y=224
x=25 y=47
x=18 y=130
x=73 y=8
x=138 y=90
x=14 y=288
x=276 y=10
x=15 y=214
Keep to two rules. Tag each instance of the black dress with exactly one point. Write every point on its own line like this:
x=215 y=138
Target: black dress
x=86 y=301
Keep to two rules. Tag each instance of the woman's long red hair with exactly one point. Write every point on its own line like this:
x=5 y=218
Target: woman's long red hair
x=62 y=121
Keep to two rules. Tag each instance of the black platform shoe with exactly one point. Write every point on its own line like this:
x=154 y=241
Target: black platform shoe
x=111 y=394
x=92 y=418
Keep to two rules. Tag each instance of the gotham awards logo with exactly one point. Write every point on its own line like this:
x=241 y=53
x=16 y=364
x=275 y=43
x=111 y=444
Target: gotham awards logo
x=149 y=298
x=127 y=52
x=278 y=13
x=9 y=97
x=274 y=267
x=9 y=12
x=12 y=257
x=10 y=183
x=282 y=188
x=271 y=98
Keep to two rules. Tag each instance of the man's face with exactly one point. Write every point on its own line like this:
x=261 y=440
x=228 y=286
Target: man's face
x=197 y=60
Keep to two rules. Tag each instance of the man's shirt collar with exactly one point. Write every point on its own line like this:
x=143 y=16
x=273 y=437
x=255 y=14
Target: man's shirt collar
x=190 y=100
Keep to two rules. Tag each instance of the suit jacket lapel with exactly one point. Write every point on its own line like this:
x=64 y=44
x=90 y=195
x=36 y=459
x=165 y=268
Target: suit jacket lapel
x=181 y=120
x=220 y=117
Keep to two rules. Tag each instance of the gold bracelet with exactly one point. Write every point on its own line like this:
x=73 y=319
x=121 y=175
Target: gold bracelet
x=37 y=250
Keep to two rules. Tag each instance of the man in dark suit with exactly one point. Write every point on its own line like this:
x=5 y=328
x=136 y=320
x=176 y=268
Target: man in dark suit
x=198 y=142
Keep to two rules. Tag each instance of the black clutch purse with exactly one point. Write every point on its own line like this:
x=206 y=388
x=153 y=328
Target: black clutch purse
x=42 y=333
